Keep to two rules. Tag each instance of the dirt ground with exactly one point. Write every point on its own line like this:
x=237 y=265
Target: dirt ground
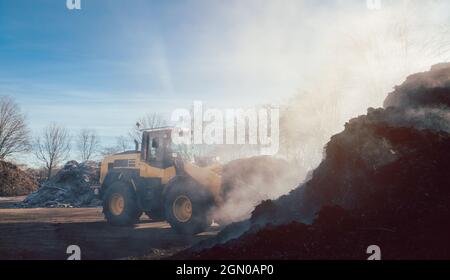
x=46 y=233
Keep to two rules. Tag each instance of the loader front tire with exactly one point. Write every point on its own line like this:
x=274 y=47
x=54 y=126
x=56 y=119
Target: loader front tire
x=187 y=208
x=119 y=205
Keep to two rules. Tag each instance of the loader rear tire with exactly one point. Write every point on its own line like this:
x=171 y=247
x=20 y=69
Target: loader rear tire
x=187 y=208
x=119 y=205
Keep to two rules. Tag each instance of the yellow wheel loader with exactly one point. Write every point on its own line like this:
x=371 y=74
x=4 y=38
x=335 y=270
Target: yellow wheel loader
x=160 y=181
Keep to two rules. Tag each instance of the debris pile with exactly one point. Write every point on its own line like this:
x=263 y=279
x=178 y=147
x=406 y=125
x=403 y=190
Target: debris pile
x=15 y=182
x=70 y=187
x=384 y=181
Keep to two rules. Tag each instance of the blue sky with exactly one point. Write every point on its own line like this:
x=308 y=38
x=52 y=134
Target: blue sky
x=114 y=60
x=104 y=66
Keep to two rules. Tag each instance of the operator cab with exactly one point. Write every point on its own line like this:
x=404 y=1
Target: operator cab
x=156 y=147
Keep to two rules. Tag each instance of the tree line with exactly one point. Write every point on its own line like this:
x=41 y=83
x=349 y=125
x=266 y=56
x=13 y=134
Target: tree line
x=54 y=143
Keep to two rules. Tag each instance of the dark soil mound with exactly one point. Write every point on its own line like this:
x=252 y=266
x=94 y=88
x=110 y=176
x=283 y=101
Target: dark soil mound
x=15 y=182
x=423 y=89
x=400 y=202
x=340 y=234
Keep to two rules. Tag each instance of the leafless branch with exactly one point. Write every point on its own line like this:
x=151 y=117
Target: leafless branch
x=87 y=144
x=151 y=120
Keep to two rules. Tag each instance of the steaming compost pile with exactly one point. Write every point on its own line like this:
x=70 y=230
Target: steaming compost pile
x=15 y=182
x=70 y=187
x=246 y=182
x=384 y=181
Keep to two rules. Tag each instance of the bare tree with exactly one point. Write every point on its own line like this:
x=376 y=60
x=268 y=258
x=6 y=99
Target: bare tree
x=14 y=134
x=52 y=147
x=87 y=144
x=151 y=120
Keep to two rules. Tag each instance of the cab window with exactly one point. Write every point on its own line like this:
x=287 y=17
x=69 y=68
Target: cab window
x=153 y=145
